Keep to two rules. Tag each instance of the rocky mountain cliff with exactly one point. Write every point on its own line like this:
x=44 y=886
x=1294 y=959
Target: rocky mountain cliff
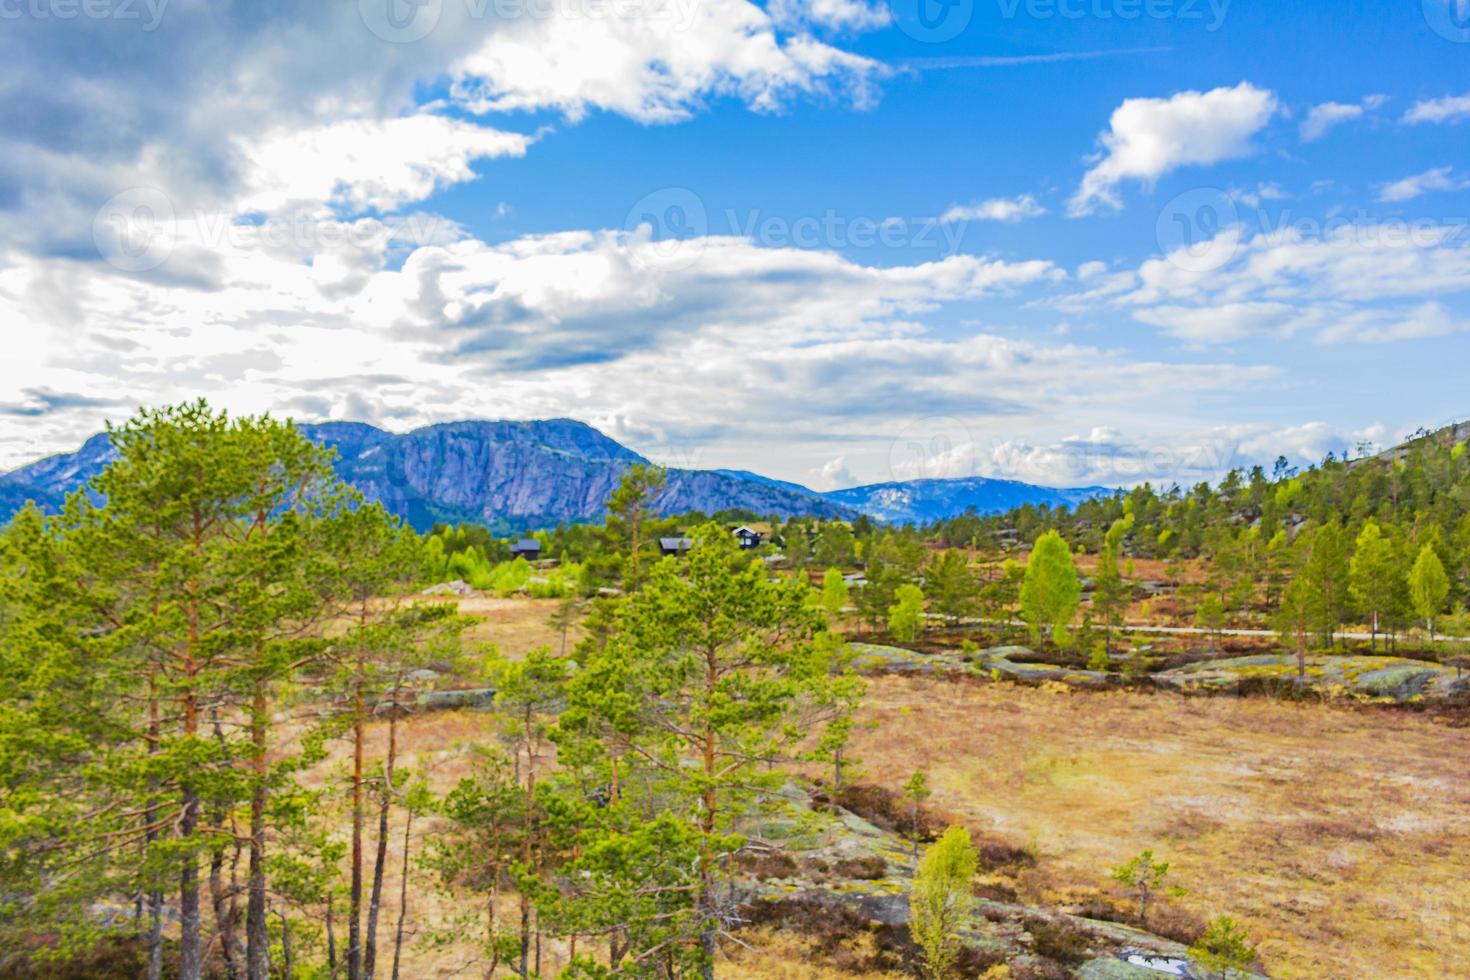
x=514 y=476
x=509 y=475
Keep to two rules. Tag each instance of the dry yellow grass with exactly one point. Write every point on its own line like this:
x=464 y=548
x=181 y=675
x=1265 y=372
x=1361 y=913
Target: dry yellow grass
x=516 y=625
x=1336 y=836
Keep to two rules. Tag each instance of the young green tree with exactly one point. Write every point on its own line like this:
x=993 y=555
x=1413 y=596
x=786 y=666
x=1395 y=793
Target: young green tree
x=1111 y=594
x=906 y=615
x=835 y=596
x=1051 y=591
x=1371 y=575
x=1224 y=950
x=953 y=590
x=629 y=509
x=1429 y=587
x=1210 y=617
x=1144 y=878
x=916 y=791
x=566 y=615
x=940 y=901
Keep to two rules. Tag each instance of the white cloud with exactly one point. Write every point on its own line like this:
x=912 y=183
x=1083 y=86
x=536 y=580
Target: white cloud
x=1349 y=282
x=840 y=15
x=1450 y=108
x=833 y=475
x=1438 y=179
x=1008 y=209
x=655 y=69
x=370 y=164
x=1321 y=118
x=1148 y=138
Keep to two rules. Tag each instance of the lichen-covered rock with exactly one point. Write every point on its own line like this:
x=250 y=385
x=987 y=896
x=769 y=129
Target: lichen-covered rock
x=1366 y=677
x=478 y=698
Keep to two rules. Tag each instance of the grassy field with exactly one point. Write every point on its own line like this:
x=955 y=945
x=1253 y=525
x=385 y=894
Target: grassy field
x=1337 y=836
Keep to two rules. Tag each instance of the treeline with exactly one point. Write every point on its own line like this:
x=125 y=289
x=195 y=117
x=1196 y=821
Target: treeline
x=179 y=660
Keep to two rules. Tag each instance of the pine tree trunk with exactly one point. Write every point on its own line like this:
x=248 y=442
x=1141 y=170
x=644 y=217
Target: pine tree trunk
x=155 y=936
x=257 y=935
x=380 y=859
x=402 y=892
x=191 y=959
x=354 y=900
x=224 y=914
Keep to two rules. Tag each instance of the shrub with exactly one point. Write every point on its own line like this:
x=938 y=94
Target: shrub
x=1224 y=949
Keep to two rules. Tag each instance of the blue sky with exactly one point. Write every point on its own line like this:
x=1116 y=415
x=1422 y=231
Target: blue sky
x=835 y=241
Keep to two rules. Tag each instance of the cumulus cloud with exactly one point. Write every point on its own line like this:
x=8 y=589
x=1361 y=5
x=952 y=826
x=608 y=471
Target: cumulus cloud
x=1365 y=282
x=1148 y=138
x=655 y=69
x=1321 y=118
x=1007 y=209
x=1449 y=109
x=224 y=111
x=1438 y=179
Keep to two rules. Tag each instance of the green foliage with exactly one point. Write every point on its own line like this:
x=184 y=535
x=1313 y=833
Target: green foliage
x=1144 y=878
x=906 y=615
x=1224 y=949
x=1051 y=591
x=940 y=902
x=953 y=589
x=1429 y=586
x=835 y=595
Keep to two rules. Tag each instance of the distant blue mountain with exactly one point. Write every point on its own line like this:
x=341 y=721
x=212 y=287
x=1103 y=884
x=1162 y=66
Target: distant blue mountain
x=519 y=475
x=925 y=501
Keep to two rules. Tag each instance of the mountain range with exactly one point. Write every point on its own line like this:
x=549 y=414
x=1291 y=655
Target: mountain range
x=514 y=476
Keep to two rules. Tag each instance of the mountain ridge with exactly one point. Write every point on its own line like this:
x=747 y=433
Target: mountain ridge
x=516 y=475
